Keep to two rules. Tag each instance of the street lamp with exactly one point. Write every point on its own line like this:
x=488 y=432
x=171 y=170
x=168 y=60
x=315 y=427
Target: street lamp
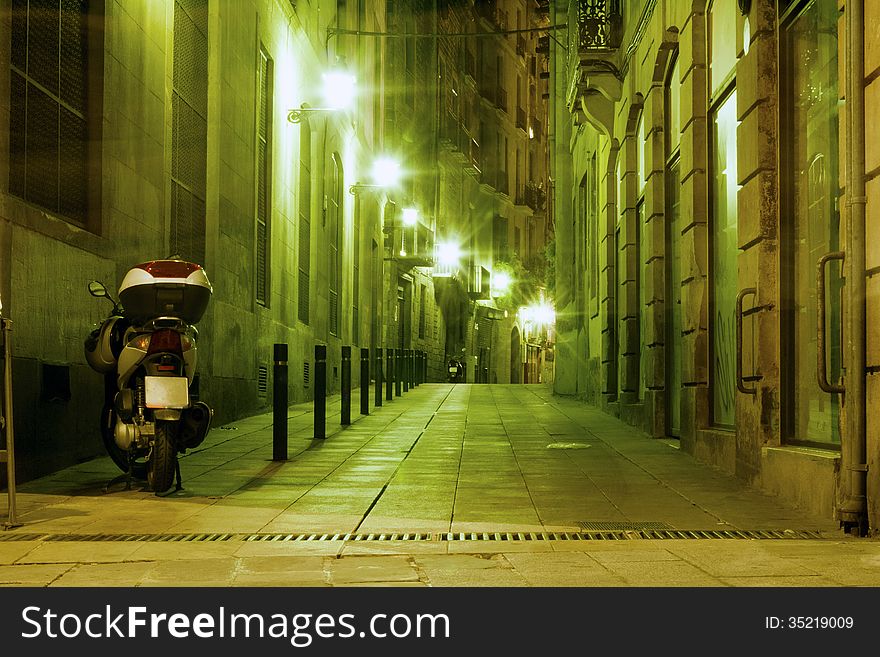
x=501 y=282
x=410 y=216
x=385 y=175
x=448 y=256
x=338 y=93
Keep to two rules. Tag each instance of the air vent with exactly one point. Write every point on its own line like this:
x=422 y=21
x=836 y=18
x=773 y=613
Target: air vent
x=262 y=381
x=306 y=374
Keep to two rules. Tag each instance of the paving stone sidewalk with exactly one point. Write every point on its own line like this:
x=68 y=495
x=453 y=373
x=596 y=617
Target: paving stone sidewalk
x=447 y=485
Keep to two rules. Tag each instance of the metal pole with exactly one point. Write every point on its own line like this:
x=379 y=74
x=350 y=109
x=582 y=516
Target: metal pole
x=365 y=381
x=9 y=453
x=398 y=371
x=405 y=372
x=320 y=419
x=279 y=403
x=425 y=366
x=378 y=351
x=346 y=386
x=389 y=374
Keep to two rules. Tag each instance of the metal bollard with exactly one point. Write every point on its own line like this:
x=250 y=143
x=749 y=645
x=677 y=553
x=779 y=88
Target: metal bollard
x=398 y=371
x=389 y=374
x=425 y=364
x=279 y=402
x=8 y=454
x=365 y=381
x=345 y=386
x=320 y=420
x=404 y=374
x=378 y=354
x=412 y=369
x=415 y=368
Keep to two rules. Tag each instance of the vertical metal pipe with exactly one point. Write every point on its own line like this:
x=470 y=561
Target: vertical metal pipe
x=389 y=374
x=345 y=386
x=378 y=376
x=320 y=419
x=279 y=402
x=853 y=509
x=6 y=327
x=405 y=372
x=365 y=381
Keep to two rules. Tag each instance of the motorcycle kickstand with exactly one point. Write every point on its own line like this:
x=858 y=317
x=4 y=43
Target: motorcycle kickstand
x=125 y=476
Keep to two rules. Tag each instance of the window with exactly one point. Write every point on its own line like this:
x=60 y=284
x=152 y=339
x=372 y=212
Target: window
x=264 y=176
x=55 y=107
x=809 y=206
x=723 y=189
x=189 y=133
x=641 y=251
x=673 y=373
x=305 y=220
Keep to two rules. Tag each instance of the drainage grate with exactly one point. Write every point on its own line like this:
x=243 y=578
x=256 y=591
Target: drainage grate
x=140 y=538
x=621 y=526
x=604 y=535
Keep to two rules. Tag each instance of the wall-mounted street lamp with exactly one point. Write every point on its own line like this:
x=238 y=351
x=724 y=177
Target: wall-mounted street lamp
x=501 y=282
x=447 y=259
x=385 y=174
x=338 y=93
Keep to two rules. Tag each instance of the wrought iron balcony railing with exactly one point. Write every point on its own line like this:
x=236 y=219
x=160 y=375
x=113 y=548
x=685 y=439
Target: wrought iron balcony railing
x=599 y=25
x=520 y=118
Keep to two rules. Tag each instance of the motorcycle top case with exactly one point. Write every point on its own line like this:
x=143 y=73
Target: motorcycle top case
x=165 y=288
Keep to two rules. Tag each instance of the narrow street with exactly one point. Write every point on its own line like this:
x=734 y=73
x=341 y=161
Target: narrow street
x=448 y=485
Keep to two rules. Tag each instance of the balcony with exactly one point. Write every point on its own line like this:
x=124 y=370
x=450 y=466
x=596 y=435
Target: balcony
x=470 y=65
x=537 y=129
x=478 y=282
x=594 y=75
x=413 y=245
x=599 y=25
x=501 y=98
x=521 y=118
x=521 y=45
x=534 y=196
x=501 y=185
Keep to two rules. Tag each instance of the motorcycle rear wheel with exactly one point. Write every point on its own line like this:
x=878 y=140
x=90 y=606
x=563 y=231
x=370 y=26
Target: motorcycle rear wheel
x=117 y=454
x=161 y=473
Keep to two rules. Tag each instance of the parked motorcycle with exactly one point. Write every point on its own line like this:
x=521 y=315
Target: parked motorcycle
x=455 y=371
x=146 y=349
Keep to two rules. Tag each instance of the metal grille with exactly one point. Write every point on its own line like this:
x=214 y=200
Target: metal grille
x=262 y=381
x=759 y=534
x=306 y=374
x=48 y=127
x=189 y=133
x=305 y=222
x=264 y=131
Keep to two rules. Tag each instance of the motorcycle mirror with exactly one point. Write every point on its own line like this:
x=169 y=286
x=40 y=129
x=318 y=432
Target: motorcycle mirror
x=97 y=289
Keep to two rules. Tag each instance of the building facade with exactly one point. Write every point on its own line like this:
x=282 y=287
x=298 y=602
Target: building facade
x=710 y=165
x=139 y=129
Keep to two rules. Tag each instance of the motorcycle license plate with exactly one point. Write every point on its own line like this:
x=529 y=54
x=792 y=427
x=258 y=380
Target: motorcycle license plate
x=166 y=391
x=453 y=369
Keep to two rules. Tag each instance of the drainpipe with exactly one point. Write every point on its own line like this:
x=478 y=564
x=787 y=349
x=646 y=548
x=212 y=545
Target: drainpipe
x=853 y=506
